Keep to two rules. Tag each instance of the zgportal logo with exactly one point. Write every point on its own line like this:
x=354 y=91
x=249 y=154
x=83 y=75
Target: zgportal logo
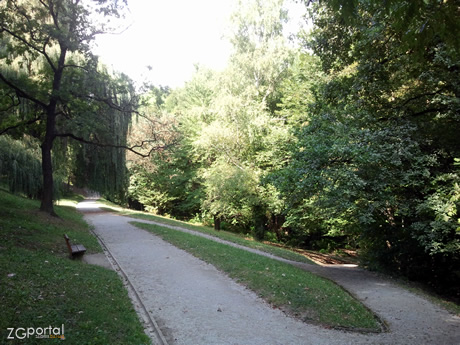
x=37 y=332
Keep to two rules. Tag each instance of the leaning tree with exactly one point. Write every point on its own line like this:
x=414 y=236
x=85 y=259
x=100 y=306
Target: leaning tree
x=52 y=86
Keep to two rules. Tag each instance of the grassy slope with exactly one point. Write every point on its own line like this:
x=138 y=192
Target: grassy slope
x=41 y=287
x=299 y=293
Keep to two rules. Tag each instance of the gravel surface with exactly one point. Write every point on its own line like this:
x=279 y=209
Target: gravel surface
x=194 y=303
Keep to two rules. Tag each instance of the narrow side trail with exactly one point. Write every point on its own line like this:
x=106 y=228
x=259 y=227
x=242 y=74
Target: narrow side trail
x=194 y=303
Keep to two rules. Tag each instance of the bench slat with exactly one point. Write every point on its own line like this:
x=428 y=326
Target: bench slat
x=74 y=249
x=77 y=248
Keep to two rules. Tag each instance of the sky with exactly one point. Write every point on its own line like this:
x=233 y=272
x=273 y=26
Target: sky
x=169 y=36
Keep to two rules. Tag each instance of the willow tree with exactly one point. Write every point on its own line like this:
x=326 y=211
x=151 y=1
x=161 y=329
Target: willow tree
x=46 y=63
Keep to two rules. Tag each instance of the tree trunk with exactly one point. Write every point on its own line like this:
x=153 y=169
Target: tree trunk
x=47 y=166
x=260 y=219
x=216 y=223
x=50 y=134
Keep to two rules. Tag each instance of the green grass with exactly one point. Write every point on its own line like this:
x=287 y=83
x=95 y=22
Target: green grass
x=225 y=235
x=299 y=293
x=41 y=287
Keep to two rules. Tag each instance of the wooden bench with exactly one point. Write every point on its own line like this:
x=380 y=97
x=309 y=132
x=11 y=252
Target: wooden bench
x=75 y=250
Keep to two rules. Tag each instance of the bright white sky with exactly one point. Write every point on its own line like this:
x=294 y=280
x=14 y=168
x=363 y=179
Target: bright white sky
x=171 y=36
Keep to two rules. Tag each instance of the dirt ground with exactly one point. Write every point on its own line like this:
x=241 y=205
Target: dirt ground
x=191 y=302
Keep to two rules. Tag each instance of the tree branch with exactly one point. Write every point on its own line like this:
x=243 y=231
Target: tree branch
x=13 y=105
x=22 y=93
x=108 y=102
x=405 y=105
x=24 y=123
x=132 y=148
x=427 y=94
x=429 y=110
x=28 y=44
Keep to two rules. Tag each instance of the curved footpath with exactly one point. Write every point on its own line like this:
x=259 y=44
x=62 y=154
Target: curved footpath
x=194 y=303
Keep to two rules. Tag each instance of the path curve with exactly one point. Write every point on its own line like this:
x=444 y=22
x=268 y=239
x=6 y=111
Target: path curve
x=194 y=303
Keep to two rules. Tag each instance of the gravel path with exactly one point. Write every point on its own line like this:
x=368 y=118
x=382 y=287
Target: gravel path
x=193 y=303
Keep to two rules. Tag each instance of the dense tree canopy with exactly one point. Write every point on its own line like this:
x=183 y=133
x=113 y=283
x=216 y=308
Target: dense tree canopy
x=227 y=129
x=377 y=158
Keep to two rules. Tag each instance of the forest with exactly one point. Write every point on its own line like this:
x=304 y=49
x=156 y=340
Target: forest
x=345 y=136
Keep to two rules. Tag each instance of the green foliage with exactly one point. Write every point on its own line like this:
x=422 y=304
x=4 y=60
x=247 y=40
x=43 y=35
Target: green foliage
x=171 y=187
x=416 y=22
x=242 y=141
x=97 y=158
x=437 y=228
x=231 y=192
x=228 y=134
x=20 y=168
x=166 y=181
x=373 y=157
x=261 y=53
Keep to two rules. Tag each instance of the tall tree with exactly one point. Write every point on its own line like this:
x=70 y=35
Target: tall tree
x=239 y=138
x=229 y=133
x=154 y=182
x=50 y=77
x=376 y=156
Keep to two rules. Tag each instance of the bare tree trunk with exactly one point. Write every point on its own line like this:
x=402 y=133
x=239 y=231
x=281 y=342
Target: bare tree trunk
x=260 y=219
x=48 y=185
x=50 y=135
x=47 y=165
x=217 y=222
